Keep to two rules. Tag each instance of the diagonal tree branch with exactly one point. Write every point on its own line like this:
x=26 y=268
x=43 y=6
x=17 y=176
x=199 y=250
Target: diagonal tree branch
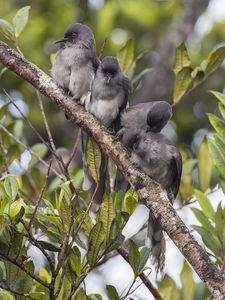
x=148 y=190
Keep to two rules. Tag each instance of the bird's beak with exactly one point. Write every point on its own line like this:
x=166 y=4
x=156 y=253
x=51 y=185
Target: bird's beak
x=109 y=77
x=61 y=40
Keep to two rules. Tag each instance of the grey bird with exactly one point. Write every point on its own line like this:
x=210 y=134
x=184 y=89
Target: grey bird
x=156 y=156
x=76 y=62
x=109 y=95
x=150 y=116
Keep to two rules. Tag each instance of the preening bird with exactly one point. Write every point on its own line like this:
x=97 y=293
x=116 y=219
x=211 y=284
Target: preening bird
x=156 y=156
x=109 y=94
x=76 y=62
x=150 y=116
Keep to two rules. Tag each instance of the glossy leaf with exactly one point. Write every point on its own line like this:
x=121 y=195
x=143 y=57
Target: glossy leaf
x=144 y=256
x=126 y=56
x=219 y=96
x=222 y=110
x=75 y=261
x=218 y=157
x=7 y=29
x=204 y=169
x=217 y=123
x=96 y=243
x=49 y=246
x=134 y=257
x=214 y=60
x=15 y=207
x=130 y=201
x=168 y=289
x=44 y=275
x=107 y=214
x=182 y=83
x=188 y=284
x=112 y=293
x=93 y=155
x=20 y=20
x=182 y=59
x=203 y=220
x=205 y=204
x=11 y=186
x=40 y=150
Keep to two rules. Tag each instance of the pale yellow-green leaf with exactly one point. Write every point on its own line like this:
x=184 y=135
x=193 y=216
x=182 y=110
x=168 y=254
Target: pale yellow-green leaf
x=214 y=60
x=205 y=165
x=44 y=275
x=130 y=201
x=2 y=219
x=40 y=150
x=107 y=214
x=168 y=290
x=219 y=96
x=222 y=110
x=11 y=186
x=7 y=29
x=4 y=295
x=96 y=243
x=93 y=156
x=125 y=56
x=217 y=123
x=182 y=59
x=218 y=156
x=36 y=295
x=205 y=204
x=20 y=20
x=188 y=284
x=182 y=83
x=15 y=207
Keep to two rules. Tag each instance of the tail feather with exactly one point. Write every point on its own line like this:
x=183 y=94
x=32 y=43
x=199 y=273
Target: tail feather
x=157 y=243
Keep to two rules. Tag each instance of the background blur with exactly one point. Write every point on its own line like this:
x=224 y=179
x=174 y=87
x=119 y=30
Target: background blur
x=157 y=26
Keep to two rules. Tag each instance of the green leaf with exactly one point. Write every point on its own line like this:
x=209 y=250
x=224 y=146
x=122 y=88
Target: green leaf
x=130 y=201
x=112 y=293
x=144 y=256
x=7 y=29
x=222 y=110
x=48 y=246
x=168 y=289
x=182 y=59
x=93 y=156
x=15 y=207
x=182 y=83
x=220 y=223
x=188 y=284
x=11 y=187
x=217 y=123
x=4 y=295
x=204 y=170
x=203 y=220
x=107 y=214
x=20 y=20
x=117 y=198
x=134 y=257
x=44 y=275
x=188 y=166
x=3 y=110
x=214 y=60
x=80 y=295
x=205 y=204
x=209 y=240
x=218 y=156
x=96 y=243
x=75 y=261
x=219 y=96
x=36 y=295
x=125 y=56
x=40 y=150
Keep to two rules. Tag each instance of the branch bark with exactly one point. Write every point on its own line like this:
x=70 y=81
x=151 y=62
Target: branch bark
x=148 y=190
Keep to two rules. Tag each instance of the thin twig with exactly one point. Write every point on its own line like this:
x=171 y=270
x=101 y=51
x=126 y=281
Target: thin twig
x=29 y=149
x=16 y=293
x=4 y=158
x=143 y=277
x=40 y=196
x=74 y=150
x=20 y=266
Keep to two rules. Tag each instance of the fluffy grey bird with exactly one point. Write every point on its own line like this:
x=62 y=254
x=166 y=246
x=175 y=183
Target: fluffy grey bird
x=155 y=155
x=109 y=95
x=76 y=63
x=150 y=116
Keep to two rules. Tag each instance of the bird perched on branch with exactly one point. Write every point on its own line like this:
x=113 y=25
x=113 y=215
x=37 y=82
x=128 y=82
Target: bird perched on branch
x=109 y=94
x=155 y=155
x=76 y=62
x=150 y=116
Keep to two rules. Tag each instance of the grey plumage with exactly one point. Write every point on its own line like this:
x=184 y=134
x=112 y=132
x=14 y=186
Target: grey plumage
x=109 y=93
x=76 y=62
x=155 y=155
x=150 y=116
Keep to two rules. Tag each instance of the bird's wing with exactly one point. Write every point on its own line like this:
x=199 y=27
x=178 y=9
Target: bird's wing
x=176 y=169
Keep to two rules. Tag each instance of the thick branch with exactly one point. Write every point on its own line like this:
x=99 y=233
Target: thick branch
x=147 y=189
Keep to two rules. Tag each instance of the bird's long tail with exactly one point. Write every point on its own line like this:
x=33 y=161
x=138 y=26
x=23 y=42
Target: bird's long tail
x=157 y=243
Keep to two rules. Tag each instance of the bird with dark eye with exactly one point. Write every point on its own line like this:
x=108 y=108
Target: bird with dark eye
x=76 y=62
